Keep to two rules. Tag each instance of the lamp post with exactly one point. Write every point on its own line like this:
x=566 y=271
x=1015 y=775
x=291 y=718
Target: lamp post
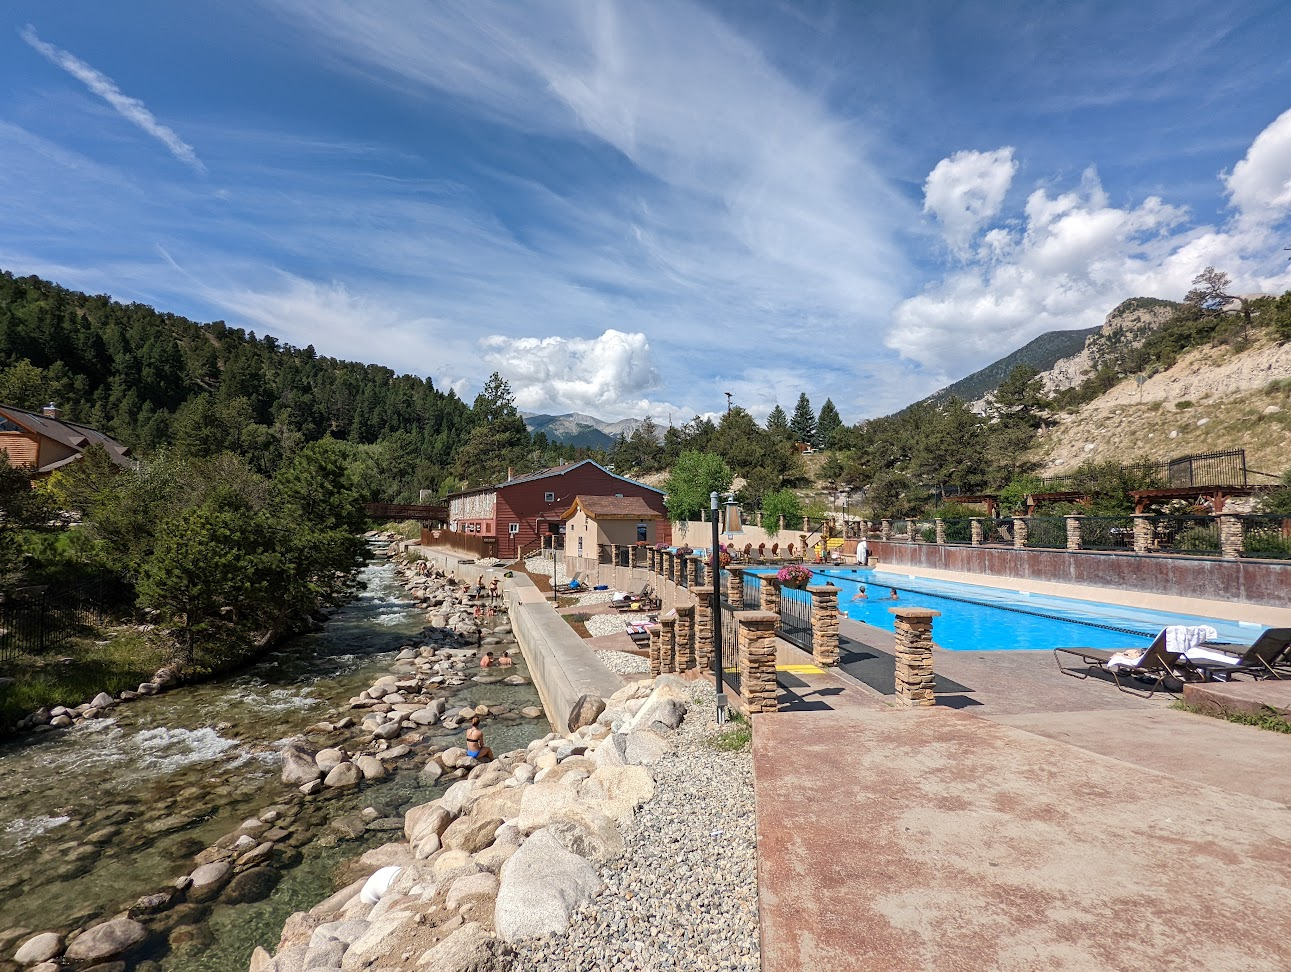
x=715 y=570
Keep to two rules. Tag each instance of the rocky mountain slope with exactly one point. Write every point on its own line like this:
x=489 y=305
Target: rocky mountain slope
x=1125 y=327
x=1041 y=354
x=578 y=429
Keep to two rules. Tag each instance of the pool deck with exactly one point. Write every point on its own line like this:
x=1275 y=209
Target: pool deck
x=1030 y=820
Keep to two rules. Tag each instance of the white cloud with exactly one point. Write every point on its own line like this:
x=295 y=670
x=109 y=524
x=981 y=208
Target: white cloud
x=1259 y=186
x=1075 y=256
x=132 y=109
x=966 y=191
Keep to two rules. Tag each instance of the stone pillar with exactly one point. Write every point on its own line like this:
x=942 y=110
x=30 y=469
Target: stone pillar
x=685 y=648
x=1074 y=538
x=1230 y=535
x=656 y=645
x=804 y=525
x=757 y=660
x=735 y=587
x=668 y=643
x=941 y=531
x=703 y=627
x=650 y=552
x=1142 y=532
x=1019 y=533
x=885 y=529
x=759 y=517
x=614 y=557
x=824 y=623
x=692 y=566
x=975 y=528
x=769 y=594
x=780 y=521
x=914 y=684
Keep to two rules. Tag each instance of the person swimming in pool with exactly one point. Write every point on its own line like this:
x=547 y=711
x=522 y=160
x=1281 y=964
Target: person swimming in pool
x=475 y=747
x=860 y=594
x=892 y=595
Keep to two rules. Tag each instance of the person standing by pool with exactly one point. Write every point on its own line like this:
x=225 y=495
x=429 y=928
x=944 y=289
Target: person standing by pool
x=862 y=552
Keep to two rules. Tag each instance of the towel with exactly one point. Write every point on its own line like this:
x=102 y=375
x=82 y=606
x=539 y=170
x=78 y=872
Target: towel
x=1183 y=638
x=1130 y=658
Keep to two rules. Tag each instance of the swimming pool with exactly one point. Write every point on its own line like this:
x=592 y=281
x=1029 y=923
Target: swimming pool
x=975 y=618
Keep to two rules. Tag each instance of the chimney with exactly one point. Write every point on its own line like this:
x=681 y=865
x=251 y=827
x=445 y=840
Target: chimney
x=50 y=411
x=510 y=473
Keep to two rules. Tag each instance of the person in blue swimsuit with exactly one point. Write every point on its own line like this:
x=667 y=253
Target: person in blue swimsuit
x=475 y=747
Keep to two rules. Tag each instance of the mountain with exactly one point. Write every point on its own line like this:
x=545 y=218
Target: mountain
x=1042 y=354
x=578 y=429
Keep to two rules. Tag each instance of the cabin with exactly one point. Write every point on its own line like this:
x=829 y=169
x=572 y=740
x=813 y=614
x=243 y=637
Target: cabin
x=49 y=444
x=595 y=525
x=527 y=512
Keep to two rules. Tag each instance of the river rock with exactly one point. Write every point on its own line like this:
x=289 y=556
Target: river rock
x=147 y=688
x=61 y=721
x=540 y=888
x=107 y=941
x=471 y=833
x=254 y=884
x=103 y=701
x=371 y=767
x=151 y=904
x=343 y=775
x=259 y=854
x=208 y=879
x=481 y=884
x=591 y=835
x=493 y=857
x=644 y=748
x=349 y=827
x=584 y=711
x=39 y=948
x=326 y=955
x=328 y=759
x=388 y=731
x=298 y=767
x=312 y=787
x=425 y=717
x=531 y=712
x=260 y=959
x=381 y=939
x=469 y=948
x=515 y=680
x=432 y=771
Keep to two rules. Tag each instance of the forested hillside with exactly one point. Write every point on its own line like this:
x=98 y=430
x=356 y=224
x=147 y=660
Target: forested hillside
x=155 y=380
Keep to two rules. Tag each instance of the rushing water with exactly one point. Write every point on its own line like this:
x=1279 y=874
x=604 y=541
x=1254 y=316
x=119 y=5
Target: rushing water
x=96 y=816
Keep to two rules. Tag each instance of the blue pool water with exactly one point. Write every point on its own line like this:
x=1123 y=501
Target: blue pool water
x=977 y=618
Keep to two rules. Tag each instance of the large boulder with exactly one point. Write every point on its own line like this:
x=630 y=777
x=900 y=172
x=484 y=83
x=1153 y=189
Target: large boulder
x=621 y=789
x=457 y=798
x=592 y=835
x=663 y=707
x=471 y=834
x=253 y=884
x=329 y=759
x=298 y=767
x=611 y=752
x=644 y=748
x=343 y=775
x=584 y=712
x=541 y=886
x=106 y=941
x=424 y=819
x=384 y=937
x=481 y=884
x=469 y=948
x=371 y=767
x=208 y=880
x=39 y=948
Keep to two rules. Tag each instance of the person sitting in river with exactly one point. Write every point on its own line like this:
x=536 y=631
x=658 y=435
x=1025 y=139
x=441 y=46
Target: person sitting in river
x=487 y=661
x=475 y=747
x=504 y=661
x=860 y=594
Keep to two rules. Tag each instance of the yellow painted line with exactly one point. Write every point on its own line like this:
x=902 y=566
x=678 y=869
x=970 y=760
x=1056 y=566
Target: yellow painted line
x=801 y=669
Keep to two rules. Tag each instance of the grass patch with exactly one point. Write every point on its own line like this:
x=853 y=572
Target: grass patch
x=736 y=737
x=408 y=529
x=578 y=621
x=1269 y=719
x=78 y=671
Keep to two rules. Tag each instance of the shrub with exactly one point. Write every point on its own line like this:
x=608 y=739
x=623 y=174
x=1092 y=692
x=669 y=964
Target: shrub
x=1183 y=404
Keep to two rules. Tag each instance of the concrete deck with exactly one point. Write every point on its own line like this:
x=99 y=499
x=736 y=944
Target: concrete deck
x=932 y=839
x=1256 y=698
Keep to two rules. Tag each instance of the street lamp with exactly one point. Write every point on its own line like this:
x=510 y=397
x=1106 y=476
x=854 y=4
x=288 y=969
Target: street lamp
x=715 y=571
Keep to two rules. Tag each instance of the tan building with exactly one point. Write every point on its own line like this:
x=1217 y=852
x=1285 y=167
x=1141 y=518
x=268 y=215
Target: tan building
x=49 y=444
x=595 y=524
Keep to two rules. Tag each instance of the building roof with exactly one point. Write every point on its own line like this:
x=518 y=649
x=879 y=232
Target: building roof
x=551 y=473
x=78 y=437
x=612 y=508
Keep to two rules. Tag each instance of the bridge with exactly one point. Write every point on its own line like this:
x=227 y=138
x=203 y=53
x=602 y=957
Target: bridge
x=407 y=511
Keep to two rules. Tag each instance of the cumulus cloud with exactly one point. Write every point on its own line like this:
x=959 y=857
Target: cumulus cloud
x=608 y=376
x=966 y=191
x=1073 y=256
x=131 y=109
x=1259 y=186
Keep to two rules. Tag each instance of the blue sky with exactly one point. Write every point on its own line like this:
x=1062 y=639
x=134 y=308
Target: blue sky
x=634 y=207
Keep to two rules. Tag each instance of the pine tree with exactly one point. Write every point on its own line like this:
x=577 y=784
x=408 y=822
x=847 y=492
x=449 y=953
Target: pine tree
x=827 y=424
x=778 y=423
x=803 y=423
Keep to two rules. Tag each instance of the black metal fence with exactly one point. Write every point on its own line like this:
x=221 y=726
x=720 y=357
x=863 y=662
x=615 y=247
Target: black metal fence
x=752 y=592
x=1185 y=534
x=1047 y=532
x=795 y=617
x=1266 y=535
x=1107 y=532
x=40 y=619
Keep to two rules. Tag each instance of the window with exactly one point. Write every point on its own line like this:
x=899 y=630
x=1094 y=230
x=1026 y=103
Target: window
x=513 y=528
x=580 y=546
x=549 y=497
x=641 y=533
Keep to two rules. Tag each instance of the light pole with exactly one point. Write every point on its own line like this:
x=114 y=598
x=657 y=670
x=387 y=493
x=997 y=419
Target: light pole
x=715 y=570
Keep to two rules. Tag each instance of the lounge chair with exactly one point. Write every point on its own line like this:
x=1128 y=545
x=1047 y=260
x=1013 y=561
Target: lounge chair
x=1268 y=657
x=1156 y=663
x=565 y=588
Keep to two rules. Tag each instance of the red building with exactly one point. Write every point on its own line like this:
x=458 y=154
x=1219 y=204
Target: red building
x=517 y=513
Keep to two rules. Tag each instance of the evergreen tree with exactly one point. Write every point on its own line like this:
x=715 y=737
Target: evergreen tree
x=778 y=423
x=803 y=423
x=827 y=425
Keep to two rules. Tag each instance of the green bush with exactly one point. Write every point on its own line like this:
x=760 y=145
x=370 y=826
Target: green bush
x=1183 y=404
x=1197 y=540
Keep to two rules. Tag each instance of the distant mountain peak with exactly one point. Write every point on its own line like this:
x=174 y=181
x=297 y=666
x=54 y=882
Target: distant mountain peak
x=580 y=429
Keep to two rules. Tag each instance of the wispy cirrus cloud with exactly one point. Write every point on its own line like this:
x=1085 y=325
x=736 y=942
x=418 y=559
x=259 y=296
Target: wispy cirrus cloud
x=131 y=109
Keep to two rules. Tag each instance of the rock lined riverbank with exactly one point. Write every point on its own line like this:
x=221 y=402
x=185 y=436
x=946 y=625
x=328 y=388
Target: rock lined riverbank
x=589 y=850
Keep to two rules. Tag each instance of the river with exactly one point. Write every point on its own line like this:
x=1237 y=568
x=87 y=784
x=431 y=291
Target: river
x=94 y=817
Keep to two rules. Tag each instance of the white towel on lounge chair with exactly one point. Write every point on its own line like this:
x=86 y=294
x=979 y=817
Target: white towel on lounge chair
x=1184 y=638
x=1130 y=658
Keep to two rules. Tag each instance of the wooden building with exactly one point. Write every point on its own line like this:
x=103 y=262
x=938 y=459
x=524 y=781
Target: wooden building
x=516 y=515
x=596 y=524
x=47 y=443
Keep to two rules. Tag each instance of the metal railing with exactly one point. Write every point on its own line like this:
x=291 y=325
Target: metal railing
x=1266 y=536
x=795 y=617
x=752 y=592
x=958 y=531
x=1046 y=532
x=38 y=620
x=997 y=531
x=1186 y=534
x=1107 y=533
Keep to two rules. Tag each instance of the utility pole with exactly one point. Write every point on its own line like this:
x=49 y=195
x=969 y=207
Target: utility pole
x=728 y=394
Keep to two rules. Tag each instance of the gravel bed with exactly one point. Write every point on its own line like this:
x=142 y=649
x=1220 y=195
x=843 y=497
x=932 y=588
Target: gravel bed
x=605 y=624
x=595 y=597
x=548 y=566
x=622 y=662
x=684 y=894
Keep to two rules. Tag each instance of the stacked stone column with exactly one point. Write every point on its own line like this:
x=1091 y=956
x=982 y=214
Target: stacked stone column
x=914 y=677
x=668 y=643
x=650 y=555
x=1230 y=536
x=975 y=528
x=757 y=634
x=735 y=587
x=685 y=648
x=1142 y=533
x=1074 y=538
x=824 y=623
x=692 y=568
x=1019 y=533
x=769 y=594
x=703 y=627
x=656 y=646
x=941 y=531
x=885 y=529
